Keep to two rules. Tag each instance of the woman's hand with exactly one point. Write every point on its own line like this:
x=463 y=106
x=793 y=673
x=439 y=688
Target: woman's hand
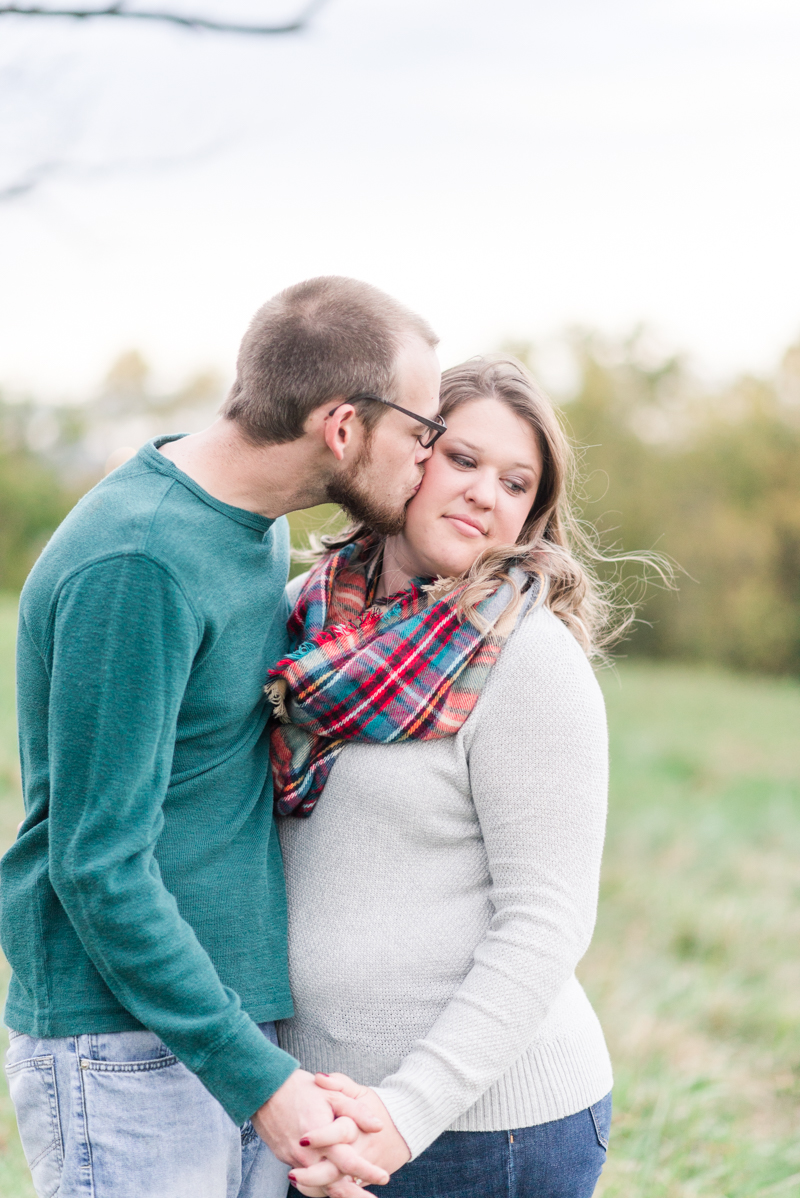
x=282 y=1120
x=343 y=1145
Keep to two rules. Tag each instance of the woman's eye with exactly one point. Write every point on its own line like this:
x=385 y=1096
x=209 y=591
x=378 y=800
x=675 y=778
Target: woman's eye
x=515 y=487
x=464 y=463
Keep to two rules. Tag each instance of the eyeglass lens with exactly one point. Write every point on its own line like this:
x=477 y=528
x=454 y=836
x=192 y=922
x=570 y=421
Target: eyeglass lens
x=427 y=439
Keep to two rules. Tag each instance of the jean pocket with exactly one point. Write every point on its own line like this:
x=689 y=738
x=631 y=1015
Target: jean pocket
x=601 y=1118
x=32 y=1086
x=149 y=1118
x=165 y=1062
x=124 y=1052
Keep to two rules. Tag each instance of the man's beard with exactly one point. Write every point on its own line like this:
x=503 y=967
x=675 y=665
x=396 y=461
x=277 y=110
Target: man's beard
x=347 y=491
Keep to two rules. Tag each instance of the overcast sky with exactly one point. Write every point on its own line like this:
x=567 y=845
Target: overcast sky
x=507 y=167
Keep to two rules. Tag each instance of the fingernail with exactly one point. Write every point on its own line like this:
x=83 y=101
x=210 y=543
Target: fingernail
x=292 y=1178
x=304 y=1144
x=323 y=1074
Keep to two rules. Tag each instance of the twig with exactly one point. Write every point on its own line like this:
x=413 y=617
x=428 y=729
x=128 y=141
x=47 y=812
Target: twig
x=21 y=187
x=119 y=10
x=43 y=170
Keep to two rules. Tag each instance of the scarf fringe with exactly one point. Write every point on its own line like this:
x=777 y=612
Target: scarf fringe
x=276 y=692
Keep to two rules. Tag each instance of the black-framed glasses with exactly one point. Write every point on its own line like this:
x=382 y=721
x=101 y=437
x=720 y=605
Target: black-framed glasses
x=427 y=440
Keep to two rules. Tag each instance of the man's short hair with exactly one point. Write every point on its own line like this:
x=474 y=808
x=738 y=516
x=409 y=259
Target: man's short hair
x=320 y=339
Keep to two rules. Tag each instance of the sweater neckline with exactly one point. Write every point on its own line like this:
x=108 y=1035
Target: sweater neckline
x=157 y=461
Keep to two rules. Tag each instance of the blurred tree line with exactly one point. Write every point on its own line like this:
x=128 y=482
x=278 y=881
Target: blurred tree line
x=33 y=498
x=708 y=476
x=51 y=454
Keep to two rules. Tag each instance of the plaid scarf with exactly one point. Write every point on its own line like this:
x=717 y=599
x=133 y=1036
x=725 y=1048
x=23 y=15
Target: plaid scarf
x=407 y=668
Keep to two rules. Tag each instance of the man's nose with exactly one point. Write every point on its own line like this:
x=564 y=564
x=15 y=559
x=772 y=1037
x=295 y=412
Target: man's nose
x=422 y=454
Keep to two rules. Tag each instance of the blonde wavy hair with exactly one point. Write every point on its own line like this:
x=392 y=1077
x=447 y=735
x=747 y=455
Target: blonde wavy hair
x=553 y=544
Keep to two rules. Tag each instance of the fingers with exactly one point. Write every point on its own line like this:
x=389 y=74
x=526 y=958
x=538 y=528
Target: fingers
x=321 y=1175
x=345 y=1189
x=357 y=1110
x=339 y=1081
x=344 y=1094
x=347 y=1160
x=327 y=1171
x=341 y=1131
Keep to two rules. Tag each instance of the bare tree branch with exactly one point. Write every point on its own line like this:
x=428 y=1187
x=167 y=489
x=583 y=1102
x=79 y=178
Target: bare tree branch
x=52 y=165
x=28 y=182
x=119 y=10
x=37 y=174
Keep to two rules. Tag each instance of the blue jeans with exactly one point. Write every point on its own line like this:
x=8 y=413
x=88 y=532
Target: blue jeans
x=562 y=1159
x=116 y=1115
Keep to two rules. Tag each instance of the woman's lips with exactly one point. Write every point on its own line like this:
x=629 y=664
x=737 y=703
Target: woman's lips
x=466 y=526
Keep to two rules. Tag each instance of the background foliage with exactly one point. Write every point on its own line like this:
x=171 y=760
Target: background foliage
x=50 y=454
x=708 y=475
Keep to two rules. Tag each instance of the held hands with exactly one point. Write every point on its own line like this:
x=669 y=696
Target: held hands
x=353 y=1136
x=345 y=1148
x=299 y=1104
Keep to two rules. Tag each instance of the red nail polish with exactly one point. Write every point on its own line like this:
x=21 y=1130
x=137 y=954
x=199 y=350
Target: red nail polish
x=305 y=1143
x=292 y=1178
x=323 y=1074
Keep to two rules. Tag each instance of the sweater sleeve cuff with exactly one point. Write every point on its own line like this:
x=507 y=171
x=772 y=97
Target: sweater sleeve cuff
x=245 y=1070
x=414 y=1110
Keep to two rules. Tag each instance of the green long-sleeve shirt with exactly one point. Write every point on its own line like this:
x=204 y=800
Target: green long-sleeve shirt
x=145 y=888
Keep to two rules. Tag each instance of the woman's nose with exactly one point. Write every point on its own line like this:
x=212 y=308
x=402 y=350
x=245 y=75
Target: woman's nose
x=481 y=491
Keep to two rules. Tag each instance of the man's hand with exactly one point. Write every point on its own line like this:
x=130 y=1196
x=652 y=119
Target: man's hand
x=344 y=1146
x=299 y=1104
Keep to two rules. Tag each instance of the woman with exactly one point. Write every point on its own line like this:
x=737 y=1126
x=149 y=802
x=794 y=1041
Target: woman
x=449 y=737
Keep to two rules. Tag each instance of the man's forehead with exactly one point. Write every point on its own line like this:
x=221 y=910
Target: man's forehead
x=419 y=384
x=423 y=403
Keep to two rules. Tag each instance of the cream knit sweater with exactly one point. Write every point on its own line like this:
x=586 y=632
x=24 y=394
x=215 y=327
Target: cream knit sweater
x=441 y=895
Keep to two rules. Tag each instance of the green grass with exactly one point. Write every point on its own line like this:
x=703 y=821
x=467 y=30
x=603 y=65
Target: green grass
x=15 y=1181
x=695 y=969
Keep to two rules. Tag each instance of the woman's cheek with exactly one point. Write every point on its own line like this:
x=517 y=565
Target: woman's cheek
x=509 y=519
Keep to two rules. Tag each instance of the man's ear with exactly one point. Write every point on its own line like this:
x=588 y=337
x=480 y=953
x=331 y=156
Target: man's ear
x=339 y=428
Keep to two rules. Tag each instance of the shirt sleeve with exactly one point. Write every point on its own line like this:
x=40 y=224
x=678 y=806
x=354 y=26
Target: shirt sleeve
x=537 y=757
x=124 y=641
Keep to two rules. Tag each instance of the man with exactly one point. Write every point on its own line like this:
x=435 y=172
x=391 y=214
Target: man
x=143 y=910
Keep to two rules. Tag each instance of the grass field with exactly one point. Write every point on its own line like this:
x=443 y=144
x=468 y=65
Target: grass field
x=15 y=1180
x=695 y=967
